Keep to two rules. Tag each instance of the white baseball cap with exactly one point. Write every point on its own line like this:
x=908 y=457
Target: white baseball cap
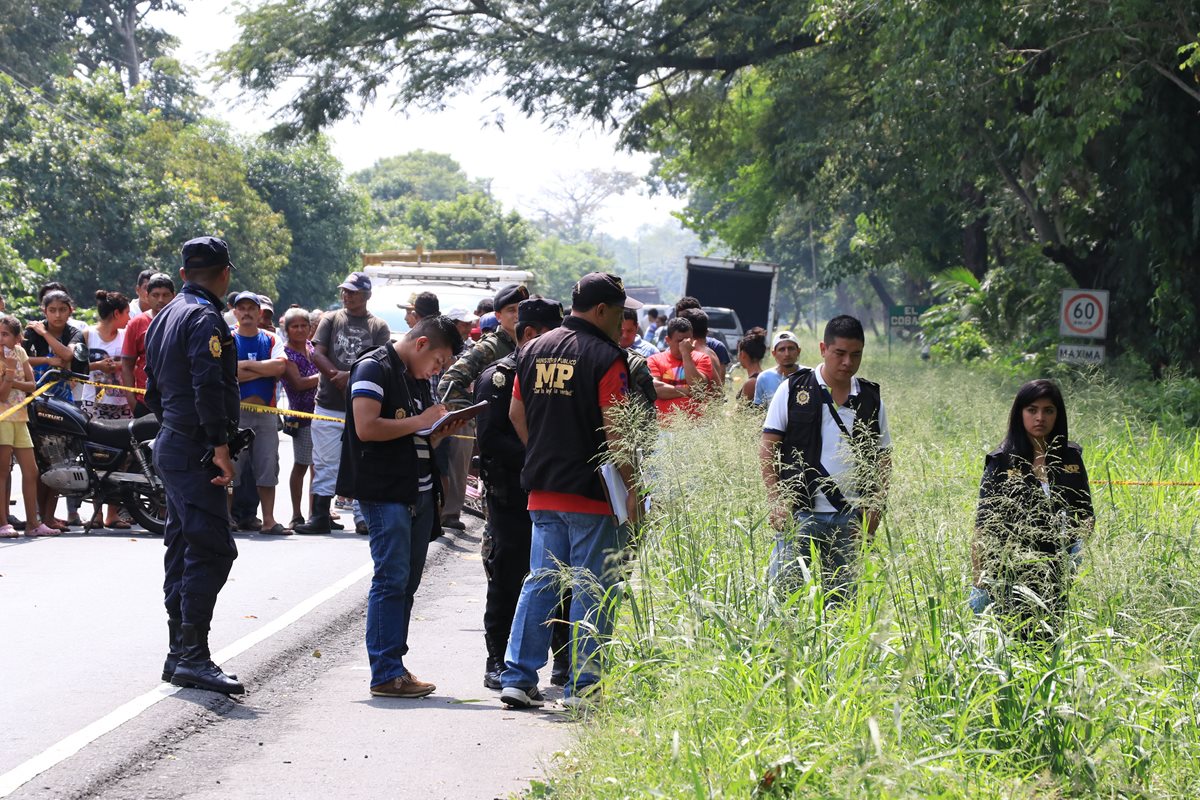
x=461 y=315
x=784 y=336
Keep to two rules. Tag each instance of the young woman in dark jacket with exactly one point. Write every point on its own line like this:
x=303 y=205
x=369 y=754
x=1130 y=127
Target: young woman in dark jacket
x=1035 y=508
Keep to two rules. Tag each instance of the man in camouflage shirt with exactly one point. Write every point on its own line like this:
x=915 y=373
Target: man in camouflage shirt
x=454 y=390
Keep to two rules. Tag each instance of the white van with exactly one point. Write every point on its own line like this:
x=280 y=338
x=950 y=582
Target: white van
x=456 y=286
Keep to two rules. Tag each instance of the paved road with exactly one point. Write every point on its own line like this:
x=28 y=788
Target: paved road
x=83 y=634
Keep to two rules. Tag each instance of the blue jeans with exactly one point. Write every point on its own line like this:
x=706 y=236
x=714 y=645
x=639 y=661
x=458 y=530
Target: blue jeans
x=399 y=544
x=589 y=547
x=835 y=537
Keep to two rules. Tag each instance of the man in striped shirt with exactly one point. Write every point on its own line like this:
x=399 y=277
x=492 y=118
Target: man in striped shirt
x=387 y=467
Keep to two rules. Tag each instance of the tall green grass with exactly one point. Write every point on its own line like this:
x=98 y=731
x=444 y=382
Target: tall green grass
x=719 y=685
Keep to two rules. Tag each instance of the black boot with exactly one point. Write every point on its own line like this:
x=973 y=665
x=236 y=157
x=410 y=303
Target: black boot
x=494 y=665
x=320 y=522
x=196 y=669
x=174 y=648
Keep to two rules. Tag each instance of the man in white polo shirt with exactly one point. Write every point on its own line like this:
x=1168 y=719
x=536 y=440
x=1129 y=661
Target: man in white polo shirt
x=831 y=471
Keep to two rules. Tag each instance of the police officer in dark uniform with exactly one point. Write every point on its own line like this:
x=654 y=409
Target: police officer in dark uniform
x=508 y=535
x=192 y=387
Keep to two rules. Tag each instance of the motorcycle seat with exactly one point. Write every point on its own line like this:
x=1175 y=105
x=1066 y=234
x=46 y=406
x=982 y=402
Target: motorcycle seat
x=115 y=432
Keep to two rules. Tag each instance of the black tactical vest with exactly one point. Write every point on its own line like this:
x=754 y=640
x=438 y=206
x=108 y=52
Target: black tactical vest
x=501 y=451
x=384 y=472
x=560 y=375
x=801 y=448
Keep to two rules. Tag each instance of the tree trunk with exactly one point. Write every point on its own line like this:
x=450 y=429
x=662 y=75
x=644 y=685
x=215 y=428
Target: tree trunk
x=881 y=290
x=128 y=32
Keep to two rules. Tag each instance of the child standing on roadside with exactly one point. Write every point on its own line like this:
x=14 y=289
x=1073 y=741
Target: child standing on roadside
x=16 y=379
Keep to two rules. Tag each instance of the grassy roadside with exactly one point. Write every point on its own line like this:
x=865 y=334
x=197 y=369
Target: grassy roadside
x=719 y=687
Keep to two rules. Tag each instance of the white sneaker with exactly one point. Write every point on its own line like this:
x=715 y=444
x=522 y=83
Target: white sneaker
x=517 y=697
x=587 y=699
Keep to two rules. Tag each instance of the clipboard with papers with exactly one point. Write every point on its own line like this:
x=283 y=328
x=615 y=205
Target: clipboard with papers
x=470 y=412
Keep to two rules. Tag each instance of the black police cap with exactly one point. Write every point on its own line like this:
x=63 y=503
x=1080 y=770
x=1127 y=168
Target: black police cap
x=205 y=251
x=513 y=293
x=540 y=312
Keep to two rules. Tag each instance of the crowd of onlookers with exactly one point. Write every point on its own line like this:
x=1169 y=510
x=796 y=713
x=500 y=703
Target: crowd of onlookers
x=280 y=364
x=275 y=362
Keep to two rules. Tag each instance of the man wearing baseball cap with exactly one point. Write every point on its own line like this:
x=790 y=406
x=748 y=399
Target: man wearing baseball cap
x=566 y=382
x=454 y=390
x=464 y=320
x=419 y=306
x=261 y=363
x=785 y=349
x=341 y=336
x=507 y=537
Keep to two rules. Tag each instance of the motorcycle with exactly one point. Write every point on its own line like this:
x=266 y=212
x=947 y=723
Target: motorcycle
x=97 y=460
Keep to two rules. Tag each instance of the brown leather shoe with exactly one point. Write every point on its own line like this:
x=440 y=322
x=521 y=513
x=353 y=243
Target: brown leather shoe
x=407 y=686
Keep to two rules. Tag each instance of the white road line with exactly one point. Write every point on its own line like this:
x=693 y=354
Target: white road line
x=64 y=749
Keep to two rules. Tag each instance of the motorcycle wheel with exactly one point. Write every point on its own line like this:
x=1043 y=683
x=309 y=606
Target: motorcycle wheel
x=149 y=508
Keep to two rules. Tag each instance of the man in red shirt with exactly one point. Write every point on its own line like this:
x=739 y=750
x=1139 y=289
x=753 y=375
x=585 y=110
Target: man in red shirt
x=566 y=383
x=160 y=290
x=682 y=373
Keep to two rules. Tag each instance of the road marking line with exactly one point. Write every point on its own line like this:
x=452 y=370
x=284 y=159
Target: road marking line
x=21 y=774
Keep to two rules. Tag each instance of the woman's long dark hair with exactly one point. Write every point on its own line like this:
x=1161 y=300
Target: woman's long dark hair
x=1017 y=442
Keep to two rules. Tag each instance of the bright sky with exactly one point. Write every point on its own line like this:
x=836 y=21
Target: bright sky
x=522 y=160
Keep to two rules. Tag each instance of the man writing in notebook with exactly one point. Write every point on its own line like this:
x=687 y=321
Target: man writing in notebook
x=389 y=469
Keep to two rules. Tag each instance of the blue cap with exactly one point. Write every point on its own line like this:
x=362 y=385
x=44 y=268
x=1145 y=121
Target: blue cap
x=488 y=322
x=357 y=282
x=247 y=296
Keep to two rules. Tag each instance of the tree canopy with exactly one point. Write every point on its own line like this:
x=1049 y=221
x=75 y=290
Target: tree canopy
x=1040 y=140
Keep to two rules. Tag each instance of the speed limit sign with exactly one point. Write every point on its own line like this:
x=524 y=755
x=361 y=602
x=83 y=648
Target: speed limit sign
x=1084 y=313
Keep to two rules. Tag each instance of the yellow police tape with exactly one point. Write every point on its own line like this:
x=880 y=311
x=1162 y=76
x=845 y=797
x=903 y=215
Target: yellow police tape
x=41 y=390
x=287 y=412
x=255 y=407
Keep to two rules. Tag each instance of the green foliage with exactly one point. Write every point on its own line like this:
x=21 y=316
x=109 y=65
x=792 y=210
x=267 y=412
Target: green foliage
x=425 y=199
x=106 y=189
x=303 y=182
x=419 y=175
x=560 y=265
x=719 y=684
x=556 y=57
x=36 y=39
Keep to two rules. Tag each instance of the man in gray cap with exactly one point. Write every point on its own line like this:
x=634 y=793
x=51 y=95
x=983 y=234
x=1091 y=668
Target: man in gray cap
x=341 y=337
x=455 y=391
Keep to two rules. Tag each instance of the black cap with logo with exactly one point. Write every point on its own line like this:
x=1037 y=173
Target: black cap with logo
x=601 y=287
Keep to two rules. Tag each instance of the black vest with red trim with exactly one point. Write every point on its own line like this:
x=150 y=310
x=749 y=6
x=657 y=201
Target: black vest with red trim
x=801 y=447
x=560 y=374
